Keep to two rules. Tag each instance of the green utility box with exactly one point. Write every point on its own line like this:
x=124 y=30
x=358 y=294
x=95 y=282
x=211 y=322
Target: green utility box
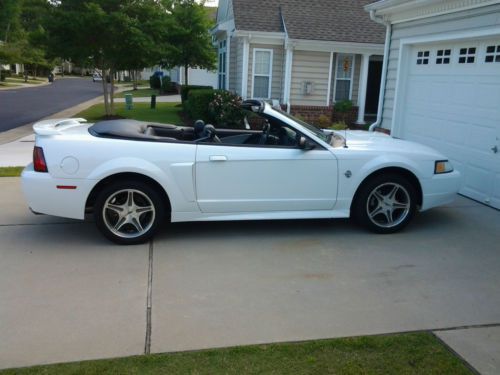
x=128 y=101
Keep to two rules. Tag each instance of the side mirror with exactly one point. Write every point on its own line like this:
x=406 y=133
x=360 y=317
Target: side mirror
x=305 y=144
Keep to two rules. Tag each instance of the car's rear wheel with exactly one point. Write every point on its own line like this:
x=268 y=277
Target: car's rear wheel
x=129 y=213
x=385 y=203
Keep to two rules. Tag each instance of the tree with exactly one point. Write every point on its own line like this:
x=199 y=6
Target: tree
x=114 y=34
x=22 y=32
x=189 y=43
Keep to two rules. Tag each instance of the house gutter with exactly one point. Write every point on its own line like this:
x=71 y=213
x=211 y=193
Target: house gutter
x=285 y=79
x=385 y=65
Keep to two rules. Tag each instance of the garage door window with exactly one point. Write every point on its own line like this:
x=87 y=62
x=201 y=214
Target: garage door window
x=467 y=55
x=492 y=54
x=423 y=57
x=443 y=56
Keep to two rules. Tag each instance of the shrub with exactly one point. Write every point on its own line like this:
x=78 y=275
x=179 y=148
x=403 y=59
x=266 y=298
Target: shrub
x=186 y=88
x=3 y=74
x=338 y=126
x=166 y=84
x=343 y=106
x=324 y=121
x=197 y=104
x=225 y=110
x=155 y=82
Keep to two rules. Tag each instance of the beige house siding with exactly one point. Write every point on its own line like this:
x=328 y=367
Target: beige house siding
x=277 y=70
x=312 y=67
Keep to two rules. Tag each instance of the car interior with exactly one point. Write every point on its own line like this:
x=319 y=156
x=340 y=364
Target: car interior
x=254 y=130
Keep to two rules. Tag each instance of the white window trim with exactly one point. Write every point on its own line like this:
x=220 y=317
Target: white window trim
x=222 y=50
x=255 y=50
x=343 y=79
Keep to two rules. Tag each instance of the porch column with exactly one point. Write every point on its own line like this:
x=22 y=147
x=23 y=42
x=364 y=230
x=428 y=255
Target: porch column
x=244 y=74
x=363 y=81
x=288 y=75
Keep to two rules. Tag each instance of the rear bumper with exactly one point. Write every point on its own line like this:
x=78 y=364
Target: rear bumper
x=440 y=189
x=44 y=197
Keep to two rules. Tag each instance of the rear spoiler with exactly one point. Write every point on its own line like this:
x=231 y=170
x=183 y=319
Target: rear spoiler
x=56 y=125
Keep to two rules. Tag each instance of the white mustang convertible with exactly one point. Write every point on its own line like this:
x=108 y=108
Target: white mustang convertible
x=134 y=175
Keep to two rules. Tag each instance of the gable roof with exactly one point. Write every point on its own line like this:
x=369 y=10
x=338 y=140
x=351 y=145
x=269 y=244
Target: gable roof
x=326 y=20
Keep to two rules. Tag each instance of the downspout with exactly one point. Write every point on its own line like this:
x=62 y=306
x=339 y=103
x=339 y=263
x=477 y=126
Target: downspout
x=284 y=74
x=385 y=65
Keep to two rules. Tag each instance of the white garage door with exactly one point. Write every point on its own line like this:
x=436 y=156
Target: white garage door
x=452 y=103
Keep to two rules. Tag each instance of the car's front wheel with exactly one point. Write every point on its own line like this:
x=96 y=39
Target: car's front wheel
x=129 y=213
x=385 y=203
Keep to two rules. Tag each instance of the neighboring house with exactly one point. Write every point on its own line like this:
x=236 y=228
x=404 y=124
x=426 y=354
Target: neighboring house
x=442 y=86
x=305 y=54
x=196 y=76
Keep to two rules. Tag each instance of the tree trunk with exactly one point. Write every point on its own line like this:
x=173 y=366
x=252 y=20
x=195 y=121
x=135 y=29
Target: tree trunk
x=134 y=78
x=112 y=91
x=105 y=91
x=186 y=75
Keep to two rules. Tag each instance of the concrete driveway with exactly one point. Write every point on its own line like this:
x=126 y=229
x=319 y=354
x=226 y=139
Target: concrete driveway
x=67 y=294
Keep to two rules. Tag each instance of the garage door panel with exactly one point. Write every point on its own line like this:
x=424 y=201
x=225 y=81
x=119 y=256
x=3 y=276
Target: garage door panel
x=455 y=108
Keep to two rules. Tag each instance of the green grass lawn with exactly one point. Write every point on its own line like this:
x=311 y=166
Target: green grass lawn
x=34 y=81
x=10 y=171
x=416 y=353
x=167 y=113
x=7 y=84
x=138 y=93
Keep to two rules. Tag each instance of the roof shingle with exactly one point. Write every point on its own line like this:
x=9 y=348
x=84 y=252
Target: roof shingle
x=326 y=20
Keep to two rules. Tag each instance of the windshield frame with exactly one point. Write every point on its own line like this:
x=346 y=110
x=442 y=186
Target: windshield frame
x=317 y=132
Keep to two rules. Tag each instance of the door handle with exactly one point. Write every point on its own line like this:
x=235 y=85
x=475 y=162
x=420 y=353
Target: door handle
x=218 y=158
x=494 y=149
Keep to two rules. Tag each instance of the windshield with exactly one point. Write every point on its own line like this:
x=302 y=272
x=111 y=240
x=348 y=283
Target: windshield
x=317 y=132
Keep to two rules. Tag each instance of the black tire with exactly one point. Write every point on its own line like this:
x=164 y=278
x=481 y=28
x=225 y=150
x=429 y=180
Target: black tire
x=125 y=220
x=375 y=209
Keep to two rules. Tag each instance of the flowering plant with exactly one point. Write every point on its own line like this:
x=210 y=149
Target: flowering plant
x=225 y=109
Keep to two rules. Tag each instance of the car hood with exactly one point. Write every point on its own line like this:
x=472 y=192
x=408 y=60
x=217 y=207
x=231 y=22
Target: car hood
x=380 y=142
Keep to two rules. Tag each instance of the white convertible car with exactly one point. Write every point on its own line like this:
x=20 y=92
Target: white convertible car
x=135 y=175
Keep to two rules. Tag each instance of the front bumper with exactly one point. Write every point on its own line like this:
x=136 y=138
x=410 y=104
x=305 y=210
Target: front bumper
x=43 y=196
x=440 y=189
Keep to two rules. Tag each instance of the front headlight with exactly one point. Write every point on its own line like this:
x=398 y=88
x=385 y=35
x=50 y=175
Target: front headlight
x=443 y=166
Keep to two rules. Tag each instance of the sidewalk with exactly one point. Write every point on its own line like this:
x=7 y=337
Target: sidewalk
x=147 y=99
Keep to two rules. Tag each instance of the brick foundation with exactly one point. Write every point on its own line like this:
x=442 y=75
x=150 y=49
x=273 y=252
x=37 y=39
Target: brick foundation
x=311 y=114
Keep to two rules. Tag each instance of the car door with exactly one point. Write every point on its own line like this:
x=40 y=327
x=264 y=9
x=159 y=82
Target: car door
x=262 y=178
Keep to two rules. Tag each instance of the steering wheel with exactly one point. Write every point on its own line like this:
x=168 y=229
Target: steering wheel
x=265 y=133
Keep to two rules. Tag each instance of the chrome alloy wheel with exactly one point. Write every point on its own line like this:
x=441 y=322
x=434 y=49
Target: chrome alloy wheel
x=388 y=205
x=128 y=213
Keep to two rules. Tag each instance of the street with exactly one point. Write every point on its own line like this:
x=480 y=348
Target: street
x=22 y=106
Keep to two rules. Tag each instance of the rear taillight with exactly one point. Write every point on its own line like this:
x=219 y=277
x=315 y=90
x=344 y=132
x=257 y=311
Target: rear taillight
x=39 y=160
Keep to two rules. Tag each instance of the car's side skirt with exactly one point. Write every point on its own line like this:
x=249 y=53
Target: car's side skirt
x=278 y=215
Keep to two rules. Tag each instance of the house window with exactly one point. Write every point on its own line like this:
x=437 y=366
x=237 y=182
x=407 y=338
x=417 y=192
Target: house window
x=443 y=56
x=262 y=73
x=222 y=65
x=467 y=55
x=344 y=77
x=492 y=54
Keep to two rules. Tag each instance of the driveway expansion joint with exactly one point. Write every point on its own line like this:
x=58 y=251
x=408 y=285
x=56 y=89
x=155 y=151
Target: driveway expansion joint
x=147 y=344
